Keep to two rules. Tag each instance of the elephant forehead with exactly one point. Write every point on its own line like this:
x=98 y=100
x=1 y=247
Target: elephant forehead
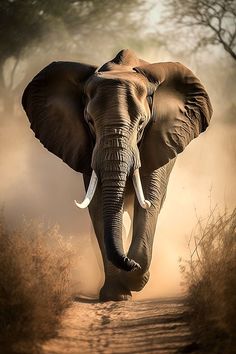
x=129 y=77
x=131 y=81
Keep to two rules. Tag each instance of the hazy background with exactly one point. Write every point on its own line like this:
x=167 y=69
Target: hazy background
x=36 y=184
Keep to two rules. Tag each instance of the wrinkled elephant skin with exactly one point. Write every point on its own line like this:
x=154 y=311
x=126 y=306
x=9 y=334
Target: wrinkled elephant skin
x=121 y=125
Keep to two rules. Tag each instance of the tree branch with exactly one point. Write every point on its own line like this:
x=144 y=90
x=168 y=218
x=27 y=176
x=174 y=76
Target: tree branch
x=13 y=73
x=217 y=19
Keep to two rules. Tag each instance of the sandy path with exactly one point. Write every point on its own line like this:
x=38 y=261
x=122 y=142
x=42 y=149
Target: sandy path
x=153 y=326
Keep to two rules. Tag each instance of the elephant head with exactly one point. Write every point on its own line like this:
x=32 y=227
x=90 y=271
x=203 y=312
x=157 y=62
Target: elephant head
x=113 y=120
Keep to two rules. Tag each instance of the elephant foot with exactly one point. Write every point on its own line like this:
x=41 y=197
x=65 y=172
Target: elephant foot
x=114 y=291
x=135 y=281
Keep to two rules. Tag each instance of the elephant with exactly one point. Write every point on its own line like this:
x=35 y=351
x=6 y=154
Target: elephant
x=122 y=126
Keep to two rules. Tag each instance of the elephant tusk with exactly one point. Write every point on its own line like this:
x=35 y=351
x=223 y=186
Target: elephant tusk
x=139 y=190
x=90 y=192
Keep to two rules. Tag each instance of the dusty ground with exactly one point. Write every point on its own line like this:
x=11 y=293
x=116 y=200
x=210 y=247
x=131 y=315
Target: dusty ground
x=153 y=326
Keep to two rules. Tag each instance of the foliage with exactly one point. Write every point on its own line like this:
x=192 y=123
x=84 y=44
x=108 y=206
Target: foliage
x=210 y=275
x=201 y=22
x=34 y=285
x=63 y=26
x=23 y=22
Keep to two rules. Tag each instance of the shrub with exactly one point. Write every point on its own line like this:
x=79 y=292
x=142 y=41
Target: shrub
x=34 y=285
x=210 y=276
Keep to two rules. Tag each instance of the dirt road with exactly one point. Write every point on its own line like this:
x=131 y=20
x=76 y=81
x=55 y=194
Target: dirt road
x=153 y=326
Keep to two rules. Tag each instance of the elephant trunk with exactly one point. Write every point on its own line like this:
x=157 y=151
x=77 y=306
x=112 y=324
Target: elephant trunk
x=113 y=161
x=113 y=199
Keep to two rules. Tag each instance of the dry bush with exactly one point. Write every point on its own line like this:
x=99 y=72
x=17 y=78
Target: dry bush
x=34 y=285
x=210 y=276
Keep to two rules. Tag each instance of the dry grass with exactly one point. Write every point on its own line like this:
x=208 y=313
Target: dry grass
x=34 y=285
x=210 y=276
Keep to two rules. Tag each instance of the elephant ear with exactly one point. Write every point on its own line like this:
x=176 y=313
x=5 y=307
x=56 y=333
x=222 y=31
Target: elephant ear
x=181 y=110
x=53 y=102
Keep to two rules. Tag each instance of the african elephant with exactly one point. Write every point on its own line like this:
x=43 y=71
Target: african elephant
x=121 y=125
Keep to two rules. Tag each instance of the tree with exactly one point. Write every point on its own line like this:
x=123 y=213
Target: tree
x=206 y=21
x=71 y=23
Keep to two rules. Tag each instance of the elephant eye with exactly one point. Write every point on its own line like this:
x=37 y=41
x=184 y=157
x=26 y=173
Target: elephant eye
x=150 y=99
x=91 y=125
x=90 y=121
x=141 y=123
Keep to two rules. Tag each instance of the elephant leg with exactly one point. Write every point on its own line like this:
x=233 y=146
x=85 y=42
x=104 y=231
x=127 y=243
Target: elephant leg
x=144 y=226
x=113 y=288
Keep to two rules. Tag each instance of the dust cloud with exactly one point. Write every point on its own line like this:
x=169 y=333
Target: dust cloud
x=37 y=184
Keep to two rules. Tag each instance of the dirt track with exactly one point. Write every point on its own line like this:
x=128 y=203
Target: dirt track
x=153 y=326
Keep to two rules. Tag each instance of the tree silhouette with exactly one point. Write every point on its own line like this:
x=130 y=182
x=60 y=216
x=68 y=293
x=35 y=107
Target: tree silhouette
x=213 y=20
x=73 y=23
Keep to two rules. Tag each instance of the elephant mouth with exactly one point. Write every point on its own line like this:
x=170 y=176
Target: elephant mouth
x=144 y=203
